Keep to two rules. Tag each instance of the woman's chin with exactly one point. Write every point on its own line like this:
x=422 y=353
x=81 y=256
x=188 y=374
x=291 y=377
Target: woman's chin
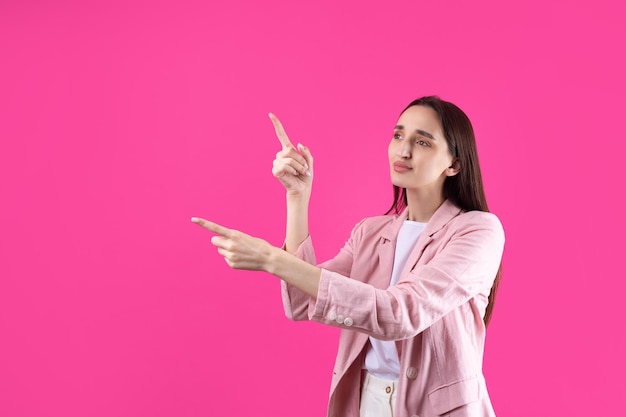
x=399 y=182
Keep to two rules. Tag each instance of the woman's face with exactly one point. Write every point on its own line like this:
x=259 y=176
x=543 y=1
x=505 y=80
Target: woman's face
x=419 y=157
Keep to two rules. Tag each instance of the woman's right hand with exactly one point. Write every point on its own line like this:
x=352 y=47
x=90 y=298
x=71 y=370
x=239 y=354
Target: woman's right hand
x=293 y=166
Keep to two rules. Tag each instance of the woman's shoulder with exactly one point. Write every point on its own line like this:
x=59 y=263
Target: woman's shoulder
x=480 y=216
x=375 y=224
x=383 y=219
x=475 y=219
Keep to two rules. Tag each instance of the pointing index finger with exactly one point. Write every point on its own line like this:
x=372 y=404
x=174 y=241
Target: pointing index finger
x=280 y=132
x=214 y=227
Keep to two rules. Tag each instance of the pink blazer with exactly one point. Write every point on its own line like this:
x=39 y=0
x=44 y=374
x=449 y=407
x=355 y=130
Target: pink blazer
x=434 y=313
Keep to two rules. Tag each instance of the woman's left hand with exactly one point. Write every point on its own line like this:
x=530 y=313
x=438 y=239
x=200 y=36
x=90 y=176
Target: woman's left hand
x=240 y=251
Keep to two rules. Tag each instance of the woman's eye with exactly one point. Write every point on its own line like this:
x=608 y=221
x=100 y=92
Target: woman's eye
x=423 y=143
x=397 y=136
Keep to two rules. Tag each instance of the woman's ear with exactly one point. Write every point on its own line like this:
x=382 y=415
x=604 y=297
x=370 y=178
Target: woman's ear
x=454 y=168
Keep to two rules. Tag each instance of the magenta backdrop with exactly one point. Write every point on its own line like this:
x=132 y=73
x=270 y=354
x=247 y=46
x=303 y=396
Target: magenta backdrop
x=120 y=121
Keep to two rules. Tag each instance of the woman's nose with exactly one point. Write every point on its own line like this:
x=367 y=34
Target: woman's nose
x=404 y=151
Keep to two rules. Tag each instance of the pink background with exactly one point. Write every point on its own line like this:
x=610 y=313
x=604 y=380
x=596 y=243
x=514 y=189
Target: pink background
x=120 y=121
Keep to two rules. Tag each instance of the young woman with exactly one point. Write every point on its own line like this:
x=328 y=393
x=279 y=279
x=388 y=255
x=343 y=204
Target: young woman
x=412 y=290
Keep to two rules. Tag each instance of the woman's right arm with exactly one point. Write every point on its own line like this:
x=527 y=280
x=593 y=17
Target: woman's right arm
x=293 y=167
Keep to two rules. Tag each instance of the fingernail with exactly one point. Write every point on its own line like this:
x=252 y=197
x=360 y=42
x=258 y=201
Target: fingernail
x=195 y=220
x=306 y=166
x=308 y=173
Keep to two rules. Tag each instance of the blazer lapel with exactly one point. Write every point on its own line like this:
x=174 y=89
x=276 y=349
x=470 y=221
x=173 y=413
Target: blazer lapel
x=386 y=251
x=446 y=212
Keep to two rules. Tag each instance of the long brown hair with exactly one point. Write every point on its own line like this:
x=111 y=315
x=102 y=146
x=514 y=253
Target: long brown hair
x=464 y=189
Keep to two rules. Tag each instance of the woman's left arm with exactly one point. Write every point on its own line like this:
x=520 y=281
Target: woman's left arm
x=241 y=251
x=465 y=267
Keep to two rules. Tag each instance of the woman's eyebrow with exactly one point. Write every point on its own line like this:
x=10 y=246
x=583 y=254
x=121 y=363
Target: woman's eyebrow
x=425 y=134
x=418 y=131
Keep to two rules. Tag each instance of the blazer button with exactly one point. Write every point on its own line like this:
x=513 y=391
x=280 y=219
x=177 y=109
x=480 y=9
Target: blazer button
x=332 y=315
x=348 y=322
x=339 y=318
x=411 y=372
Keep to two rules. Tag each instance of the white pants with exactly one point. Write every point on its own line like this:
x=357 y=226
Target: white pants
x=378 y=397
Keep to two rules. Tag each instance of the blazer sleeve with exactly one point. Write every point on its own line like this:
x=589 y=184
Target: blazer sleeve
x=297 y=304
x=464 y=267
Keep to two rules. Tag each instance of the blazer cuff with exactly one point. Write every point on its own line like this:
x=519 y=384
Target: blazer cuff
x=321 y=309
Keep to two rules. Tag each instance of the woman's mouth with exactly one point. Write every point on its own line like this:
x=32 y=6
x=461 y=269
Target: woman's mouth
x=401 y=167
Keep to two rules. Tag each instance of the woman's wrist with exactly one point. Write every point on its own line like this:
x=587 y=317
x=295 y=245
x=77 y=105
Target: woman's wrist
x=299 y=196
x=294 y=271
x=272 y=260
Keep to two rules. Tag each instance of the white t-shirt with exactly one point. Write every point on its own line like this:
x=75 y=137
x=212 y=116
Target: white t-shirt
x=381 y=359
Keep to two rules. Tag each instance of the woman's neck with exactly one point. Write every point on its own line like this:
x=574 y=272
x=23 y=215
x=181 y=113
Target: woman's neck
x=423 y=204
